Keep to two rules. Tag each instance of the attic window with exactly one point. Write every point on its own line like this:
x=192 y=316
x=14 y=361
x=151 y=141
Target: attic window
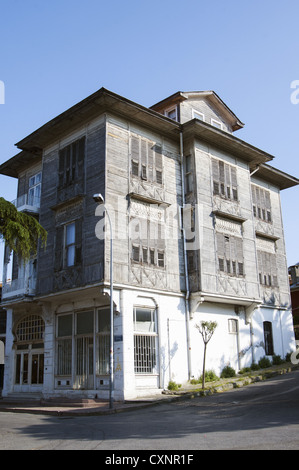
x=171 y=113
x=216 y=124
x=198 y=115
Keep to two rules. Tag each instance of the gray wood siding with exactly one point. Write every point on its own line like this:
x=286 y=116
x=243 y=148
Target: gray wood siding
x=55 y=213
x=204 y=107
x=120 y=185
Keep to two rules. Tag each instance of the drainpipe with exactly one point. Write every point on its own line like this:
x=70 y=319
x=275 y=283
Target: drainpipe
x=185 y=262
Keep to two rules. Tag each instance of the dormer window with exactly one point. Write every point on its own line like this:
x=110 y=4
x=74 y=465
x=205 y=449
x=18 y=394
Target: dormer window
x=172 y=113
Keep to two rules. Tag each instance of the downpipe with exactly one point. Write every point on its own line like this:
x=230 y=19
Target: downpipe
x=187 y=295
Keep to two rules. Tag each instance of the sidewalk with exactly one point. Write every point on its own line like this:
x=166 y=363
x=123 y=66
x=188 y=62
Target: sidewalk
x=101 y=407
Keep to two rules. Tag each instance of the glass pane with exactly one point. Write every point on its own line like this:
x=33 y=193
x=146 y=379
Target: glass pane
x=144 y=320
x=104 y=320
x=70 y=234
x=70 y=256
x=84 y=323
x=64 y=325
x=64 y=357
x=34 y=369
x=18 y=368
x=25 y=369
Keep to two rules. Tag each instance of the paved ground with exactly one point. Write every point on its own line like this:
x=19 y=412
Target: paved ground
x=98 y=407
x=264 y=415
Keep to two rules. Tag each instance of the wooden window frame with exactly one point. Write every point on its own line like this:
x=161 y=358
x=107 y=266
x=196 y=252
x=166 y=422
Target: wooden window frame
x=146 y=160
x=261 y=203
x=224 y=178
x=230 y=255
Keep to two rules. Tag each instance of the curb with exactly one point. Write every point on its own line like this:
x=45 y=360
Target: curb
x=168 y=397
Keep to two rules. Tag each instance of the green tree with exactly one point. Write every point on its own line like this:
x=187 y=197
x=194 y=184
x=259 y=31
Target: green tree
x=206 y=329
x=20 y=231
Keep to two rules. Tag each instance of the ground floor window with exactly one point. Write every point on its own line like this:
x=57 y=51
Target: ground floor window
x=82 y=346
x=145 y=341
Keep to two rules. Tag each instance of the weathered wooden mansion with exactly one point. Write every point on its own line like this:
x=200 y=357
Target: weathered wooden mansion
x=197 y=235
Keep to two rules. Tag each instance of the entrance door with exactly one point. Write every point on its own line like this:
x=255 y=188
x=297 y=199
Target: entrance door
x=84 y=362
x=29 y=369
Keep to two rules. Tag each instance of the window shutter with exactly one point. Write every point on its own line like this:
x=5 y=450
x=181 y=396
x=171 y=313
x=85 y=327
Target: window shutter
x=158 y=164
x=274 y=270
x=150 y=162
x=135 y=155
x=220 y=250
x=239 y=255
x=144 y=159
x=215 y=176
x=61 y=168
x=81 y=157
x=59 y=245
x=234 y=183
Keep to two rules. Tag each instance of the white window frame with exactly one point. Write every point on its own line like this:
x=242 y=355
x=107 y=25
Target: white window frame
x=70 y=246
x=170 y=110
x=34 y=189
x=216 y=124
x=146 y=346
x=198 y=113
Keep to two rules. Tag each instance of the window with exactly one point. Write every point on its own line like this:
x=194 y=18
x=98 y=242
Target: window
x=267 y=269
x=34 y=192
x=216 y=123
x=71 y=163
x=198 y=115
x=233 y=326
x=103 y=338
x=148 y=242
x=68 y=245
x=64 y=344
x=31 y=328
x=83 y=345
x=172 y=113
x=146 y=160
x=145 y=341
x=224 y=180
x=268 y=338
x=261 y=203
x=230 y=254
x=188 y=174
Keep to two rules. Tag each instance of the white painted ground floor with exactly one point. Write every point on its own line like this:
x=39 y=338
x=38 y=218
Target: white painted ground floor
x=59 y=346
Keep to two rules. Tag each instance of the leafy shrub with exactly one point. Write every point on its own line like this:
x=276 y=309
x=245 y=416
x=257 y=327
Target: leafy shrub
x=254 y=366
x=277 y=360
x=288 y=357
x=245 y=370
x=173 y=385
x=264 y=362
x=210 y=376
x=227 y=372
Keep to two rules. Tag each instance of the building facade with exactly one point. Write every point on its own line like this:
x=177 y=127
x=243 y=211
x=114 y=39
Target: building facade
x=197 y=235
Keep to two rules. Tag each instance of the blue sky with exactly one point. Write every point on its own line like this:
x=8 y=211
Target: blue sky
x=53 y=54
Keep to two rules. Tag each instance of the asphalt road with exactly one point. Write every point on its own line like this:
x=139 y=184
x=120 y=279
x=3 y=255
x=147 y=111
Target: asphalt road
x=261 y=416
